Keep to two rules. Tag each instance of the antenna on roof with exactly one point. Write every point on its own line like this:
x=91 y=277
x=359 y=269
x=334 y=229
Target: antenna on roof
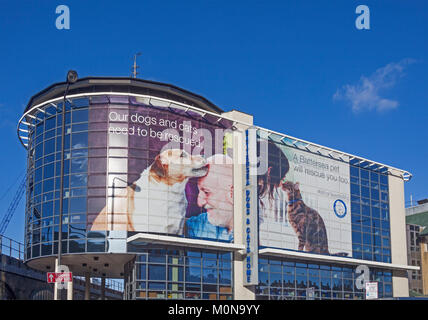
x=135 y=67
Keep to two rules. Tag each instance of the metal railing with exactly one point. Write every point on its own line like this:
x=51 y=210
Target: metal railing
x=11 y=248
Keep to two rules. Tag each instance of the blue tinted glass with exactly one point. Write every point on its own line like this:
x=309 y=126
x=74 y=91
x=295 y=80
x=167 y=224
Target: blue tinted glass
x=50 y=123
x=48 y=171
x=78 y=205
x=355 y=189
x=365 y=192
x=79 y=165
x=384 y=196
x=79 y=140
x=193 y=274
x=385 y=215
x=48 y=185
x=39 y=151
x=365 y=211
x=383 y=179
x=355 y=172
x=356 y=237
x=80 y=115
x=375 y=194
x=78 y=180
x=355 y=180
x=364 y=174
x=210 y=275
x=355 y=208
x=374 y=176
x=157 y=272
x=356 y=218
x=375 y=212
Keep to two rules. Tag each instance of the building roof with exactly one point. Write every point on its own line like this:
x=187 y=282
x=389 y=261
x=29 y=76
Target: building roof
x=420 y=219
x=126 y=85
x=418 y=215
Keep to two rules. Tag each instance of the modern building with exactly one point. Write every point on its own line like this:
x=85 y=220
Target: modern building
x=145 y=181
x=416 y=223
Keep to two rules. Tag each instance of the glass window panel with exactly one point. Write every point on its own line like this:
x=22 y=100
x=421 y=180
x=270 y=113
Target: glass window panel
x=79 y=165
x=276 y=279
x=47 y=209
x=79 y=140
x=49 y=146
x=375 y=194
x=78 y=205
x=374 y=176
x=301 y=282
x=365 y=192
x=157 y=272
x=193 y=274
x=355 y=189
x=225 y=276
x=77 y=231
x=141 y=271
x=175 y=273
x=263 y=278
x=96 y=245
x=210 y=275
x=80 y=115
x=76 y=246
x=364 y=174
x=355 y=172
x=78 y=180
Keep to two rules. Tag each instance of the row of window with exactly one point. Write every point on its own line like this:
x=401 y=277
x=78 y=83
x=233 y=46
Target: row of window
x=285 y=279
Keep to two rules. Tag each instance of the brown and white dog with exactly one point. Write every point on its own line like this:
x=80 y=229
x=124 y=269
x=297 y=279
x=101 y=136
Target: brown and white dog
x=156 y=202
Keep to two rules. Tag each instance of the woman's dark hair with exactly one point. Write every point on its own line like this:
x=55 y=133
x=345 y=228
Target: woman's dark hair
x=277 y=168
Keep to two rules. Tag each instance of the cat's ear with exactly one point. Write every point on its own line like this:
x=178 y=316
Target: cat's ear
x=296 y=186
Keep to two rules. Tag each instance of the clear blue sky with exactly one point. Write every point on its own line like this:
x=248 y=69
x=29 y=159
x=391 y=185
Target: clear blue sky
x=300 y=67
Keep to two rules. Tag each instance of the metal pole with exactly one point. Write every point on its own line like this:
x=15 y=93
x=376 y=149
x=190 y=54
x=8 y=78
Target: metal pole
x=70 y=290
x=56 y=283
x=87 y=286
x=103 y=288
x=61 y=188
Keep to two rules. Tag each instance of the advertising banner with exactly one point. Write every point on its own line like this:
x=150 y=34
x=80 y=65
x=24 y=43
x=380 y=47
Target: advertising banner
x=169 y=171
x=304 y=202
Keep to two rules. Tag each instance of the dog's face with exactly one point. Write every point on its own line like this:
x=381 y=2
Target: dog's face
x=176 y=165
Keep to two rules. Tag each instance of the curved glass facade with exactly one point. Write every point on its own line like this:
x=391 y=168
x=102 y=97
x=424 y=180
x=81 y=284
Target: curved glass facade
x=44 y=182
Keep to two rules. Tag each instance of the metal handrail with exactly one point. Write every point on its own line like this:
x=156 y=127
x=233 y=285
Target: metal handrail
x=11 y=248
x=15 y=249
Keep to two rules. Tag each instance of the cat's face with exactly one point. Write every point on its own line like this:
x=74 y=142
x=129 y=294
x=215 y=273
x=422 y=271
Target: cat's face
x=290 y=188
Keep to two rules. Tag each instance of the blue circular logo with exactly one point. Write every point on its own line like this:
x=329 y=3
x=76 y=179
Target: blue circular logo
x=339 y=208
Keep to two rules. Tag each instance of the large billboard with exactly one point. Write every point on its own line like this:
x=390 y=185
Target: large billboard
x=169 y=171
x=303 y=201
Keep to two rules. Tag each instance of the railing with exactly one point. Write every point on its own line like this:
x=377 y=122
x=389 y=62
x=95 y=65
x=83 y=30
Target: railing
x=15 y=249
x=11 y=248
x=110 y=283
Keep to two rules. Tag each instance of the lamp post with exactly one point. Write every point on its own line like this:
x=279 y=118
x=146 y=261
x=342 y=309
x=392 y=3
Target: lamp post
x=71 y=78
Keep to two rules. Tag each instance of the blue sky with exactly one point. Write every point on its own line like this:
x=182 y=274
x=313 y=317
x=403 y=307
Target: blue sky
x=300 y=67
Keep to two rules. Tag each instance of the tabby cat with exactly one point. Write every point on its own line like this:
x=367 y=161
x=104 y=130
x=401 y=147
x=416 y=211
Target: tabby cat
x=306 y=222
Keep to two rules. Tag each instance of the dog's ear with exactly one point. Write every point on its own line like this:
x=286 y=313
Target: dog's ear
x=159 y=168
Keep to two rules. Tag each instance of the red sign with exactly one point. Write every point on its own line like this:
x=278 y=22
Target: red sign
x=59 y=277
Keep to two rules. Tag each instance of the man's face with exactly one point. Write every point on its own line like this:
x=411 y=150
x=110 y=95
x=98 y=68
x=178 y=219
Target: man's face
x=216 y=194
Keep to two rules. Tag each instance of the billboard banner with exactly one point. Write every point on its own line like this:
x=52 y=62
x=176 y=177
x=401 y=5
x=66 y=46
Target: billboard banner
x=169 y=171
x=304 y=202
